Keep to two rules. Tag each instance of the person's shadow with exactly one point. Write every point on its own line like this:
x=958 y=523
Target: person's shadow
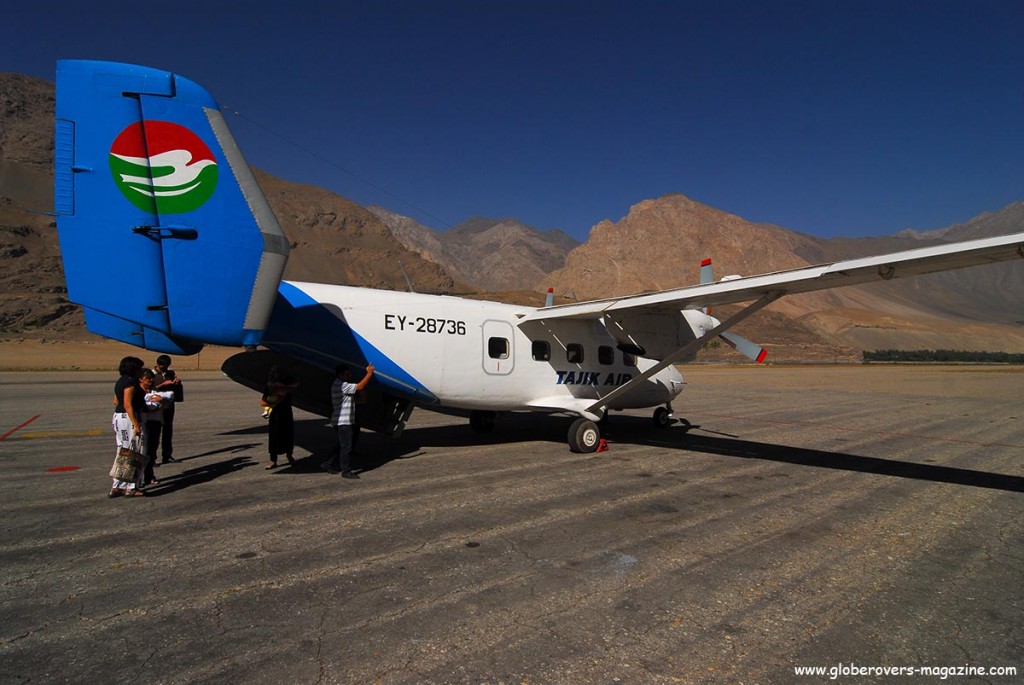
x=199 y=474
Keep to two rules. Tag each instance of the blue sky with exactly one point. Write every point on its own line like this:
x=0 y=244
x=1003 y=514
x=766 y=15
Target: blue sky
x=829 y=118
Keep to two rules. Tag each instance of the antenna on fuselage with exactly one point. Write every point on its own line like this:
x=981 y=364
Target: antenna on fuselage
x=407 y=281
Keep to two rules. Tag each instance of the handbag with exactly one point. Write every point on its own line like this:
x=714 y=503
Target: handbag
x=128 y=462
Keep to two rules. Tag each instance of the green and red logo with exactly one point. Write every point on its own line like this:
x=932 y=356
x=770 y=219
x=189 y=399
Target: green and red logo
x=162 y=167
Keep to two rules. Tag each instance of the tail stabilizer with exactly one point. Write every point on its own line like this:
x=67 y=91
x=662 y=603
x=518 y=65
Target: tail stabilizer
x=168 y=242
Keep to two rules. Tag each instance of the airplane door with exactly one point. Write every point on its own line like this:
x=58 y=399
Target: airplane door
x=498 y=347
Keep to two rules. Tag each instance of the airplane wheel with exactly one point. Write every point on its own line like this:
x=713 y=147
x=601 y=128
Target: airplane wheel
x=662 y=417
x=482 y=421
x=584 y=436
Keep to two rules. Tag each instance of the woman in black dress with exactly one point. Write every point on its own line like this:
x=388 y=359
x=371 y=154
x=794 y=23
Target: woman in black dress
x=278 y=394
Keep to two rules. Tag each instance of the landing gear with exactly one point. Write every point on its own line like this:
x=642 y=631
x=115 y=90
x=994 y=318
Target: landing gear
x=482 y=421
x=584 y=436
x=662 y=417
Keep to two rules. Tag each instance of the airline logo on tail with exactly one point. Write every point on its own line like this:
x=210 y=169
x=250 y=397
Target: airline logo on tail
x=163 y=167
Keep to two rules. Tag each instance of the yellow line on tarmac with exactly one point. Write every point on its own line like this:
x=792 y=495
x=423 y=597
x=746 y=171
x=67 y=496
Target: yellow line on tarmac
x=61 y=434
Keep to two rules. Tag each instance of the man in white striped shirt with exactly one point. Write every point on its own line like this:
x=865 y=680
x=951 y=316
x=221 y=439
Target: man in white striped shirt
x=343 y=392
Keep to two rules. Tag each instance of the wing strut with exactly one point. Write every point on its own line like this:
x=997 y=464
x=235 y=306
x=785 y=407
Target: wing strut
x=598 y=408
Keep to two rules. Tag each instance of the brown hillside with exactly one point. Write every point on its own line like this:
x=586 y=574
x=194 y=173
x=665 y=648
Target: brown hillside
x=335 y=240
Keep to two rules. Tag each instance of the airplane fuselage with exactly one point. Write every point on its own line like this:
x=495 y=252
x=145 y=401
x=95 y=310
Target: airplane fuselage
x=461 y=354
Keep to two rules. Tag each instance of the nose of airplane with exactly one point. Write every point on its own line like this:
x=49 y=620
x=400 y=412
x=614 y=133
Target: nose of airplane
x=670 y=383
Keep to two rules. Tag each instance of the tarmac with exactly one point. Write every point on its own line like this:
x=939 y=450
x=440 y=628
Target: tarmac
x=864 y=516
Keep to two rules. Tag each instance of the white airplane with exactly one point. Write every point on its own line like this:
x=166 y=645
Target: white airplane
x=202 y=261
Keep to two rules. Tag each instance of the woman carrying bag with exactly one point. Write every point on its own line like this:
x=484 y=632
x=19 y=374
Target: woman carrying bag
x=127 y=470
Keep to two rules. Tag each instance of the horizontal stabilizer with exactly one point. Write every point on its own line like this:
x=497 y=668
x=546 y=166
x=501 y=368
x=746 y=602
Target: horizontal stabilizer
x=378 y=411
x=135 y=334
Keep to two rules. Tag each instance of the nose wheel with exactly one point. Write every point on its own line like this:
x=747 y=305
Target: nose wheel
x=482 y=421
x=662 y=417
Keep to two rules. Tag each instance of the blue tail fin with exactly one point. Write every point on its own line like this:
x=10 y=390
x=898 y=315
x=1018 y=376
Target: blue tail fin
x=167 y=240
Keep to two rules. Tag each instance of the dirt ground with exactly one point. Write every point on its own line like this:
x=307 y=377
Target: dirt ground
x=94 y=355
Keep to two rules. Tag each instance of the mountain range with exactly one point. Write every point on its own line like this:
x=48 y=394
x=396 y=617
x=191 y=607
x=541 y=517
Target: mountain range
x=657 y=245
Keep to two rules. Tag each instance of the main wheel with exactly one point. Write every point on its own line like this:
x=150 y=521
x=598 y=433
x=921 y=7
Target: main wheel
x=584 y=436
x=482 y=421
x=662 y=417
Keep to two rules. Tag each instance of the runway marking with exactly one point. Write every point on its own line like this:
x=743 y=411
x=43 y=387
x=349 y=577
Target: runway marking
x=17 y=428
x=63 y=434
x=62 y=469
x=804 y=424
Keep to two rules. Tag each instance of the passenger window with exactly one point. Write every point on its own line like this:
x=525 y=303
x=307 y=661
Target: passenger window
x=574 y=353
x=541 y=350
x=606 y=355
x=497 y=348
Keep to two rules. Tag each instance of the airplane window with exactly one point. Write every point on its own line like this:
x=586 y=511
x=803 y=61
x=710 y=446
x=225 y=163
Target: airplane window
x=541 y=350
x=574 y=353
x=628 y=359
x=497 y=348
x=606 y=355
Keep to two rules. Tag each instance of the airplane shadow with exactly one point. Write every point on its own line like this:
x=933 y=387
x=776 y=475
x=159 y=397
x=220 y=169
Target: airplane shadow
x=375 y=451
x=633 y=431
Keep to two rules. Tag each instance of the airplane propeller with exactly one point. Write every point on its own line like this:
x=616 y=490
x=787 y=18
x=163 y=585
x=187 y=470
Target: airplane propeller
x=747 y=348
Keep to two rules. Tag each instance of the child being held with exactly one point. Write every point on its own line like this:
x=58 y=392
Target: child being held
x=157 y=399
x=269 y=401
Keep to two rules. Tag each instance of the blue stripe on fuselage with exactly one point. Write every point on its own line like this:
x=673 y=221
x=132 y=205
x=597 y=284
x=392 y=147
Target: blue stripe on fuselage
x=301 y=327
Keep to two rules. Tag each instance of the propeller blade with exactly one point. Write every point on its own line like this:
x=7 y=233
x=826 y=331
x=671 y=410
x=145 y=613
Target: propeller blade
x=550 y=298
x=707 y=273
x=748 y=349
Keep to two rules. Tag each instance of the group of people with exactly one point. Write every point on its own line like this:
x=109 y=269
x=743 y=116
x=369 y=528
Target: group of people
x=143 y=422
x=277 y=409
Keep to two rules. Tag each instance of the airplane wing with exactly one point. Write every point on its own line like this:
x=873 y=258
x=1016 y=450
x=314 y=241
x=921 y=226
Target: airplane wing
x=822 y=277
x=670 y=326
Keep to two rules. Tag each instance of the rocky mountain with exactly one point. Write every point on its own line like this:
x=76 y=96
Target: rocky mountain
x=32 y=291
x=335 y=240
x=490 y=255
x=1007 y=220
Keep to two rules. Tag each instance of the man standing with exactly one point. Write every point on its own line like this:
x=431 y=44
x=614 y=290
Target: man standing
x=165 y=379
x=343 y=391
